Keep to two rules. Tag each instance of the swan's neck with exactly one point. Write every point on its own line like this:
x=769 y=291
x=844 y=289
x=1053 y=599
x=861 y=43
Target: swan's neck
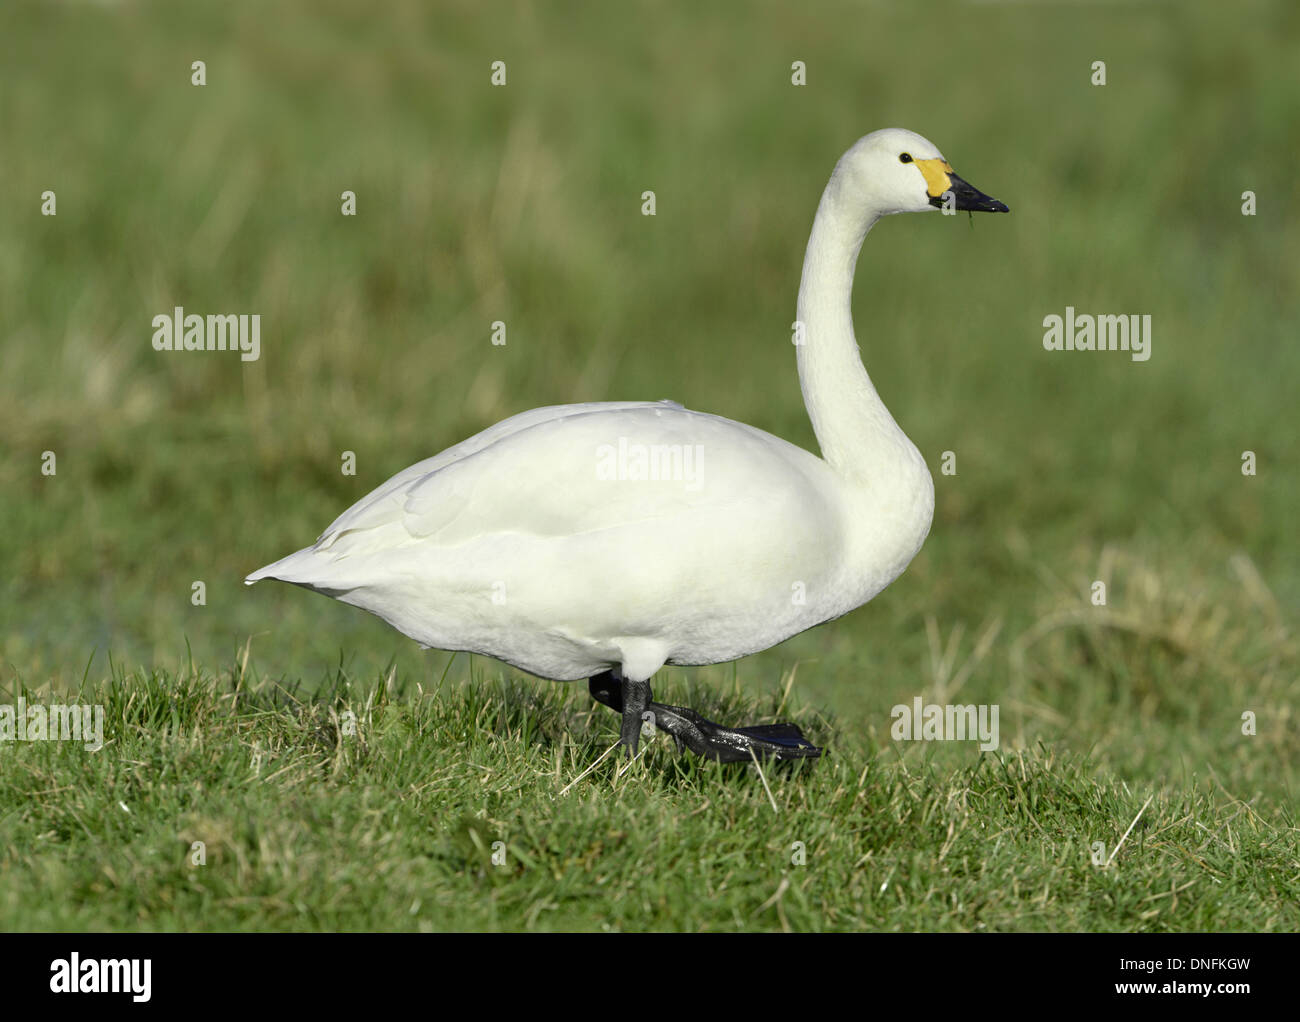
x=858 y=437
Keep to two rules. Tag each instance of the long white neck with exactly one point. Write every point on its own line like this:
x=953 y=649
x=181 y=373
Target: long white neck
x=858 y=437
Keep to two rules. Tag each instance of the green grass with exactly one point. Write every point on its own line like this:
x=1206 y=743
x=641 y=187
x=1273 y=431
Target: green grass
x=522 y=204
x=305 y=825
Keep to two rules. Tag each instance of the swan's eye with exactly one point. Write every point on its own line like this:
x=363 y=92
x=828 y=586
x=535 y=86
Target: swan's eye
x=905 y=158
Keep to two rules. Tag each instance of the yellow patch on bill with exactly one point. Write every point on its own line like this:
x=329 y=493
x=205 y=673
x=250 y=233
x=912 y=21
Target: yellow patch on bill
x=936 y=174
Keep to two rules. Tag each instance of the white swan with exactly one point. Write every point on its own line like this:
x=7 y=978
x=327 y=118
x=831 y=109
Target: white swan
x=605 y=540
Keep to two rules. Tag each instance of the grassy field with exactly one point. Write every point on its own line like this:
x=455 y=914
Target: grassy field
x=338 y=777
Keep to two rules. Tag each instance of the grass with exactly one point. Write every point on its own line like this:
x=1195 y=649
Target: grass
x=303 y=824
x=522 y=204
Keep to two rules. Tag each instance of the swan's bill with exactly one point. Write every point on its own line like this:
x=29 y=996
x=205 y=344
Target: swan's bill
x=941 y=179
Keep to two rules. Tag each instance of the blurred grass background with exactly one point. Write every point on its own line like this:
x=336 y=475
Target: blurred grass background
x=522 y=204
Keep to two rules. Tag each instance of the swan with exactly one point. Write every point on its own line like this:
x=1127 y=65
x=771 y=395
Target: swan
x=605 y=540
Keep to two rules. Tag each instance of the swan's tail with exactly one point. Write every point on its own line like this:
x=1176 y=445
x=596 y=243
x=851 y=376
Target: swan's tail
x=301 y=568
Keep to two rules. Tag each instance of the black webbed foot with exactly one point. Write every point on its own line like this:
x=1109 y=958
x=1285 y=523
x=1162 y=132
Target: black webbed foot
x=699 y=734
x=732 y=745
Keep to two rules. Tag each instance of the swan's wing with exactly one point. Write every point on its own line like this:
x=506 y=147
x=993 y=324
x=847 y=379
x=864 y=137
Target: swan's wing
x=385 y=502
x=580 y=469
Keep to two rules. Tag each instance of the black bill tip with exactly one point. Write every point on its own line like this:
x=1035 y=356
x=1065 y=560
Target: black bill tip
x=966 y=196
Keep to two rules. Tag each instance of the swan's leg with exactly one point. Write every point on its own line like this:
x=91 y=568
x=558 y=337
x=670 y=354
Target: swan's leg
x=699 y=734
x=636 y=698
x=630 y=698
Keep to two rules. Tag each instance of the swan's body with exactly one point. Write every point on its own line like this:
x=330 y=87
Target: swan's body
x=536 y=543
x=509 y=544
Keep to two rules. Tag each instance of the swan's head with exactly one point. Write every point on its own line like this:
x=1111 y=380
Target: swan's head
x=898 y=171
